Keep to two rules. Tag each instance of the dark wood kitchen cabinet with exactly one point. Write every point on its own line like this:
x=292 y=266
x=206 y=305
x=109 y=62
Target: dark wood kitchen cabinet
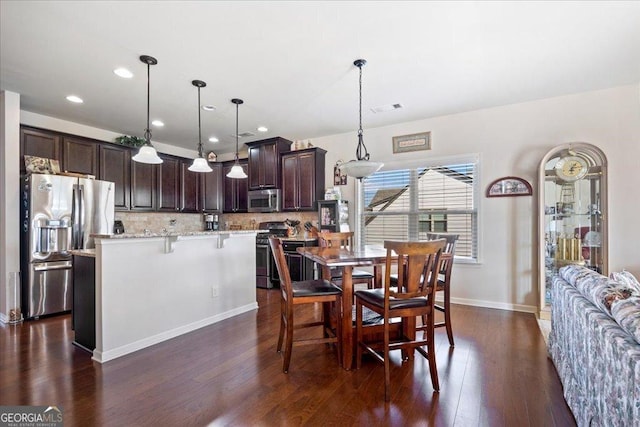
x=80 y=155
x=212 y=189
x=144 y=191
x=264 y=162
x=83 y=314
x=190 y=188
x=169 y=184
x=115 y=166
x=302 y=179
x=39 y=143
x=235 y=190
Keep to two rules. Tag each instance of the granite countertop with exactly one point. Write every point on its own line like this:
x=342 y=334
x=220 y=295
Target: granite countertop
x=91 y=253
x=173 y=234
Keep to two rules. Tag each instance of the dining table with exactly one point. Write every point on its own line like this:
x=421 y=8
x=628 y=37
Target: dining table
x=347 y=259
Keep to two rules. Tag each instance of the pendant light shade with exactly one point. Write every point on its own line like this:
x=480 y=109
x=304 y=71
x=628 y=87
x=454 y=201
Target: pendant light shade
x=362 y=166
x=236 y=171
x=199 y=164
x=147 y=154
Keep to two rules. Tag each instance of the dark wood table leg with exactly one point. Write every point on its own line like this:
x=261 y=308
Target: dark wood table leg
x=347 y=326
x=377 y=276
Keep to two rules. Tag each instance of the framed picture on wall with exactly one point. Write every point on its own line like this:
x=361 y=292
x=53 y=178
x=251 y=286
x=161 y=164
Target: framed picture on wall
x=413 y=142
x=509 y=186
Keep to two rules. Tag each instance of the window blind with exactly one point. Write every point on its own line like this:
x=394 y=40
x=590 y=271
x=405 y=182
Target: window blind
x=406 y=204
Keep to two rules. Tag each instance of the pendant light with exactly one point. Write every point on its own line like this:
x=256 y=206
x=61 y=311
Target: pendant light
x=147 y=154
x=199 y=164
x=236 y=171
x=361 y=167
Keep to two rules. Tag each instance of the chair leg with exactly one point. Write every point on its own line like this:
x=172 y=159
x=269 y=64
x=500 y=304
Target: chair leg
x=339 y=315
x=387 y=365
x=282 y=326
x=288 y=343
x=431 y=353
x=358 y=335
x=447 y=317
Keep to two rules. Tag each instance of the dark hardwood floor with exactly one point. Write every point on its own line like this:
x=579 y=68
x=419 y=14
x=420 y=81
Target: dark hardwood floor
x=498 y=374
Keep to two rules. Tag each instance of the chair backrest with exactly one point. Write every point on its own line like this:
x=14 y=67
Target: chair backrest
x=330 y=239
x=447 y=254
x=451 y=239
x=421 y=262
x=283 y=268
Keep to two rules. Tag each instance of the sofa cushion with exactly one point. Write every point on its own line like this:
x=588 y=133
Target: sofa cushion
x=626 y=313
x=626 y=278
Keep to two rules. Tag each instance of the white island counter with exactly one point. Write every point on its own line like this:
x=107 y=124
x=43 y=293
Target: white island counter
x=153 y=287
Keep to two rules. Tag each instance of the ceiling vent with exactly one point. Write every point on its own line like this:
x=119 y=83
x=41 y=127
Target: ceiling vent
x=385 y=108
x=243 y=134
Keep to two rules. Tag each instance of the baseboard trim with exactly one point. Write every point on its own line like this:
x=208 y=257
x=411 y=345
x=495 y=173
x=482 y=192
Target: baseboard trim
x=105 y=356
x=492 y=304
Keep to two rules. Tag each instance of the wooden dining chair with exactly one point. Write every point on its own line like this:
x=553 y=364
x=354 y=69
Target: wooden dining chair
x=413 y=296
x=305 y=292
x=344 y=239
x=444 y=280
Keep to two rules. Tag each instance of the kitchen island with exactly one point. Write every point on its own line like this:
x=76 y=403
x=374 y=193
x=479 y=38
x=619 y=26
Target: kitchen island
x=153 y=287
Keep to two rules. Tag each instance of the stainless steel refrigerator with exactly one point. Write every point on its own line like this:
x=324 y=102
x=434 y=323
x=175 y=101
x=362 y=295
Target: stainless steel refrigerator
x=59 y=213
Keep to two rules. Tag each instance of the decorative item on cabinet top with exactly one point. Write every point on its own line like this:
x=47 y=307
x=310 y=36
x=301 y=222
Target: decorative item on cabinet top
x=509 y=186
x=130 y=141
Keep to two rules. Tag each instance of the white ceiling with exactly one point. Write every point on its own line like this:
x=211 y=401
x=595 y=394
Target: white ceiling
x=292 y=62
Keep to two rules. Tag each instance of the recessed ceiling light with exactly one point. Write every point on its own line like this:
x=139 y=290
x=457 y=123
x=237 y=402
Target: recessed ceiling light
x=75 y=99
x=157 y=123
x=208 y=107
x=123 y=72
x=214 y=139
x=262 y=129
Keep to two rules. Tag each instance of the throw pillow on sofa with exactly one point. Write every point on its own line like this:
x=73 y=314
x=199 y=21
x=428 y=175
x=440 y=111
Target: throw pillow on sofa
x=627 y=279
x=626 y=313
x=617 y=293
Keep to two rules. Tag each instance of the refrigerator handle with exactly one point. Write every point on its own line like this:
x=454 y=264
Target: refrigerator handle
x=81 y=216
x=76 y=217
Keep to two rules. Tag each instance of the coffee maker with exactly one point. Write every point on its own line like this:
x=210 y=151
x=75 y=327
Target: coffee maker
x=210 y=222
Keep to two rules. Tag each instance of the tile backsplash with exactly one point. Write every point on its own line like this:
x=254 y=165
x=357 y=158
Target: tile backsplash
x=138 y=222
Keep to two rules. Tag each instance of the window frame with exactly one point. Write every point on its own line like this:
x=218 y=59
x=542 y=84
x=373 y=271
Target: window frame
x=425 y=163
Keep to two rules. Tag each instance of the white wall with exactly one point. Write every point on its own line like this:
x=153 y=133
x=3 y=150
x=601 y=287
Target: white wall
x=9 y=195
x=511 y=140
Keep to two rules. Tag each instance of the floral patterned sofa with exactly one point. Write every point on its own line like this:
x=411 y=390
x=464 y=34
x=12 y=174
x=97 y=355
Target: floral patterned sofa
x=595 y=345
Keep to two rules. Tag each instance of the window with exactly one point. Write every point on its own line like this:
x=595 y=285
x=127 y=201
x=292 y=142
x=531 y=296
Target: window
x=407 y=203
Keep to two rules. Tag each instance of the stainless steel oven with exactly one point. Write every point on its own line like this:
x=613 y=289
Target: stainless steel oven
x=263 y=201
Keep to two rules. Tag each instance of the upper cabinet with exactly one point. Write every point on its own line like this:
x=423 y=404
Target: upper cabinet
x=169 y=183
x=264 y=162
x=235 y=190
x=302 y=179
x=191 y=188
x=80 y=155
x=168 y=186
x=39 y=143
x=115 y=166
x=212 y=189
x=572 y=214
x=144 y=191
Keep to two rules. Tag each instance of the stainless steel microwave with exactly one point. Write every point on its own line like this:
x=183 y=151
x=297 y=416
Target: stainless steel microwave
x=264 y=201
